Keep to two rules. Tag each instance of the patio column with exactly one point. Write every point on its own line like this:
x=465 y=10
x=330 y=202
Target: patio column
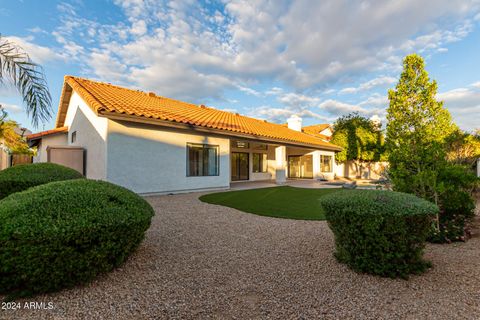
x=316 y=164
x=281 y=164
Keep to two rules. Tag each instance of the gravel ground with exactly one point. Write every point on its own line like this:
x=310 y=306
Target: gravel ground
x=202 y=261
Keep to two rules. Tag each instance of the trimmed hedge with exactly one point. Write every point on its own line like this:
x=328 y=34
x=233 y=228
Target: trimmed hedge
x=379 y=232
x=64 y=233
x=24 y=176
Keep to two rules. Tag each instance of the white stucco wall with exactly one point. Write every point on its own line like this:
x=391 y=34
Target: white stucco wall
x=91 y=134
x=54 y=140
x=152 y=159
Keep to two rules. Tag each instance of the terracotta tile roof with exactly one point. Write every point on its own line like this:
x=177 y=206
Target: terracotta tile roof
x=110 y=100
x=46 y=133
x=315 y=130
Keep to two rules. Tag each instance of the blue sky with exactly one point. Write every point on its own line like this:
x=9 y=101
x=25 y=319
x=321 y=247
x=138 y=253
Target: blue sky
x=266 y=59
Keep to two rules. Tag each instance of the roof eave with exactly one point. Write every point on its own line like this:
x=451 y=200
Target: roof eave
x=178 y=125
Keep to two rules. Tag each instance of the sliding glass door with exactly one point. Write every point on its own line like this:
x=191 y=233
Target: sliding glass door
x=239 y=166
x=300 y=167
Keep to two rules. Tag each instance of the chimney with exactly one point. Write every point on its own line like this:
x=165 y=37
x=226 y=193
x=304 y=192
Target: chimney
x=295 y=123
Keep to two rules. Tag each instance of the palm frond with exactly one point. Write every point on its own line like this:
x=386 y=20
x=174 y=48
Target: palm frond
x=17 y=67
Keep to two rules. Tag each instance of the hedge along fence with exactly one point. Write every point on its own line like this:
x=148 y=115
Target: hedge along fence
x=64 y=233
x=24 y=176
x=380 y=232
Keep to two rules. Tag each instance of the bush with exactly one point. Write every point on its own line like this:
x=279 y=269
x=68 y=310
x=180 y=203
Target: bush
x=379 y=232
x=64 y=233
x=457 y=206
x=24 y=176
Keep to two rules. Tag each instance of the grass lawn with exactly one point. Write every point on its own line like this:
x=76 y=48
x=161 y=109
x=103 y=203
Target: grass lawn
x=281 y=202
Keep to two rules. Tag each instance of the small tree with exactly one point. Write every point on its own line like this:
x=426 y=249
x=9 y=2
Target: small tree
x=361 y=139
x=463 y=148
x=8 y=134
x=417 y=131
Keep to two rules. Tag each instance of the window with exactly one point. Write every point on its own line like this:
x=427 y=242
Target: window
x=259 y=162
x=74 y=137
x=325 y=163
x=202 y=160
x=240 y=144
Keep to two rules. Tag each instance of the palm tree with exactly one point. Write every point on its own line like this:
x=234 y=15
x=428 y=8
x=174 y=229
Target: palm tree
x=17 y=68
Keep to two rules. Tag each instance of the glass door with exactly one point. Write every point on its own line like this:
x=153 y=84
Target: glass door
x=240 y=167
x=300 y=167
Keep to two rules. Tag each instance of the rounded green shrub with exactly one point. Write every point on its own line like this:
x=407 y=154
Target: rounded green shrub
x=64 y=233
x=24 y=176
x=379 y=232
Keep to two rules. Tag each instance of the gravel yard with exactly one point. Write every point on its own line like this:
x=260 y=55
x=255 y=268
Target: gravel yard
x=204 y=261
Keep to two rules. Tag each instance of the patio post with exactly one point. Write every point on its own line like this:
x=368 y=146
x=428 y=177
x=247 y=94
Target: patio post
x=281 y=164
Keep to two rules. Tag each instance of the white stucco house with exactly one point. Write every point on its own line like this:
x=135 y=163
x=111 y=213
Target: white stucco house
x=152 y=144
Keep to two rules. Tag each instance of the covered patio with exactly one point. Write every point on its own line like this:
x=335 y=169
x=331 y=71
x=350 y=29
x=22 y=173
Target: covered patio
x=252 y=160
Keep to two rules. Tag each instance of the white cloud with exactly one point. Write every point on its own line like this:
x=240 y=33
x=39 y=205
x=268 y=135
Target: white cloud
x=338 y=108
x=464 y=105
x=180 y=49
x=249 y=91
x=139 y=28
x=11 y=108
x=39 y=54
x=298 y=100
x=279 y=115
x=476 y=84
x=377 y=82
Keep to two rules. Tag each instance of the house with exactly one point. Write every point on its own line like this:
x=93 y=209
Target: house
x=152 y=144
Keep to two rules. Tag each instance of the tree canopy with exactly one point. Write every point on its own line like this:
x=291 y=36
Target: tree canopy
x=417 y=129
x=360 y=138
x=8 y=133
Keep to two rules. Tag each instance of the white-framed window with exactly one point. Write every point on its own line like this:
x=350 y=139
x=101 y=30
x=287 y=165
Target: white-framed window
x=202 y=160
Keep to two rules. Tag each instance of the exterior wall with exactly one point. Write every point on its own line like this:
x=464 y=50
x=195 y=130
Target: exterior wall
x=367 y=170
x=54 y=140
x=91 y=134
x=149 y=159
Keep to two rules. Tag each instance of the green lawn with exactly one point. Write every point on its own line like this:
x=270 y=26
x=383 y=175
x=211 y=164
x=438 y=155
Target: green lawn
x=281 y=202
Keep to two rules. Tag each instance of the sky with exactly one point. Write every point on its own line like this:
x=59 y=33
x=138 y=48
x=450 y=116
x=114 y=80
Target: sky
x=266 y=59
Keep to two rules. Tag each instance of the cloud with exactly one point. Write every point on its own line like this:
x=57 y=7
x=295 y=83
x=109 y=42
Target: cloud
x=39 y=54
x=464 y=106
x=11 y=108
x=297 y=100
x=338 y=108
x=185 y=50
x=279 y=115
x=249 y=91
x=377 y=82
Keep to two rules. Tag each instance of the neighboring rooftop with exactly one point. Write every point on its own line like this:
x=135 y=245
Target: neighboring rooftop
x=315 y=130
x=46 y=133
x=110 y=100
